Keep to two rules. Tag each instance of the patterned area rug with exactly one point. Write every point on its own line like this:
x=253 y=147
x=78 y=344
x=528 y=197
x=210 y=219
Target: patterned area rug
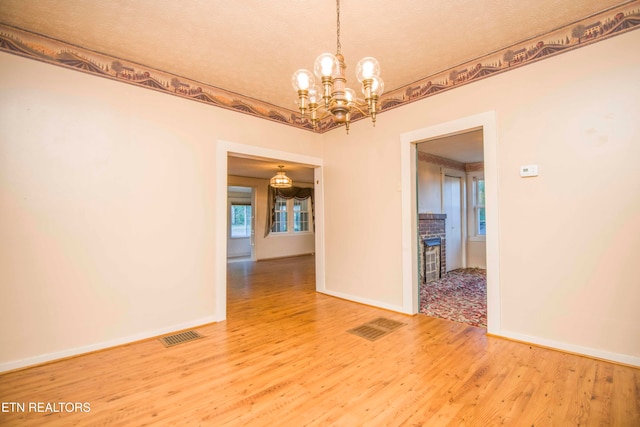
x=461 y=296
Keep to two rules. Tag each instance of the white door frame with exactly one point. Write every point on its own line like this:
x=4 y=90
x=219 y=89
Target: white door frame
x=223 y=149
x=408 y=141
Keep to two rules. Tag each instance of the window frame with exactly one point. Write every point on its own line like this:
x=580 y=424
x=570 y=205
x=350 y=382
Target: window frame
x=291 y=220
x=478 y=207
x=248 y=219
x=298 y=215
x=278 y=213
x=473 y=217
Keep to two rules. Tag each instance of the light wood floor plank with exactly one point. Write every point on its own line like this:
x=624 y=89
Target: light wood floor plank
x=284 y=357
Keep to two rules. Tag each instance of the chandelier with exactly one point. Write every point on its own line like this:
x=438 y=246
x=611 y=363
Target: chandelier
x=280 y=180
x=333 y=97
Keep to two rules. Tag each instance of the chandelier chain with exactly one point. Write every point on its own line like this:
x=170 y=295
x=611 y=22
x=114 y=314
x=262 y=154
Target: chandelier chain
x=338 y=26
x=334 y=99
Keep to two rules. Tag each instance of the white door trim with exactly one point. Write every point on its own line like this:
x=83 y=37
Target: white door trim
x=223 y=149
x=408 y=141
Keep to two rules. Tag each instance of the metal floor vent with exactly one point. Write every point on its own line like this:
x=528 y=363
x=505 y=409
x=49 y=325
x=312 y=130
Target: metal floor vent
x=383 y=323
x=376 y=329
x=176 y=339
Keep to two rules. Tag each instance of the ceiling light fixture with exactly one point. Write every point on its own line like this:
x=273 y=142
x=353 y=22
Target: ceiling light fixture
x=281 y=180
x=333 y=97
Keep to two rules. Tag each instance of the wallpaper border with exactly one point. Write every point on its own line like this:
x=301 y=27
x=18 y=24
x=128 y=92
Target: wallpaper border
x=601 y=26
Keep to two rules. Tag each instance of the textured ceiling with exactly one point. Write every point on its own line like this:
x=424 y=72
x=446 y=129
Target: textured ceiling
x=252 y=47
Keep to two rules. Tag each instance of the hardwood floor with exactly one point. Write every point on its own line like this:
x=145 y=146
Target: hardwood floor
x=284 y=357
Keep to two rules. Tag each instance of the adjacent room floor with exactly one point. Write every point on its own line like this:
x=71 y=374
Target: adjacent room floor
x=460 y=296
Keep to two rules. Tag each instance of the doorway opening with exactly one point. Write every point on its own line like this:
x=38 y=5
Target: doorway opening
x=450 y=192
x=239 y=165
x=412 y=252
x=241 y=230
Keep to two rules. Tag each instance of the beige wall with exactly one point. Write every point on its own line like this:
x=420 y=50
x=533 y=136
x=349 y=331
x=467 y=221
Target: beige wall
x=429 y=187
x=108 y=203
x=568 y=239
x=107 y=209
x=476 y=254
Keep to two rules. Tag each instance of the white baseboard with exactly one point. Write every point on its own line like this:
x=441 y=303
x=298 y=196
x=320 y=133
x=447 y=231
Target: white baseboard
x=571 y=348
x=365 y=301
x=543 y=342
x=49 y=357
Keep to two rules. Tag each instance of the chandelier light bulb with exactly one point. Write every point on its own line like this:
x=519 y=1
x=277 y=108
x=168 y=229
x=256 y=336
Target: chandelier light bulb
x=377 y=86
x=325 y=65
x=302 y=80
x=314 y=94
x=350 y=94
x=367 y=68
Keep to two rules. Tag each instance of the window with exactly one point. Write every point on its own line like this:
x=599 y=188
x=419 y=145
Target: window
x=301 y=215
x=280 y=216
x=478 y=206
x=298 y=222
x=289 y=210
x=240 y=221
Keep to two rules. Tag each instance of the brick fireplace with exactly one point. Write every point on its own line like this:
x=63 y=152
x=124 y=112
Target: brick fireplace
x=433 y=264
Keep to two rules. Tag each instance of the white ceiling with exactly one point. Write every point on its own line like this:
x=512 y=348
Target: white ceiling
x=252 y=47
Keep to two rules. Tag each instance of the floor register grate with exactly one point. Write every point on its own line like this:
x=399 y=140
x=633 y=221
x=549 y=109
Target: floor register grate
x=376 y=329
x=180 y=338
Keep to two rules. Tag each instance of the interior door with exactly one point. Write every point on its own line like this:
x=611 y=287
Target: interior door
x=453 y=208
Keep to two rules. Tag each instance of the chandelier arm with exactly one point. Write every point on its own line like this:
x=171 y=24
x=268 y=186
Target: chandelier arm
x=359 y=102
x=323 y=112
x=356 y=107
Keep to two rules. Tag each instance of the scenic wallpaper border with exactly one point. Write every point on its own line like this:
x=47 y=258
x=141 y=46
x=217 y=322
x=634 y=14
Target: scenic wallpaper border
x=590 y=30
